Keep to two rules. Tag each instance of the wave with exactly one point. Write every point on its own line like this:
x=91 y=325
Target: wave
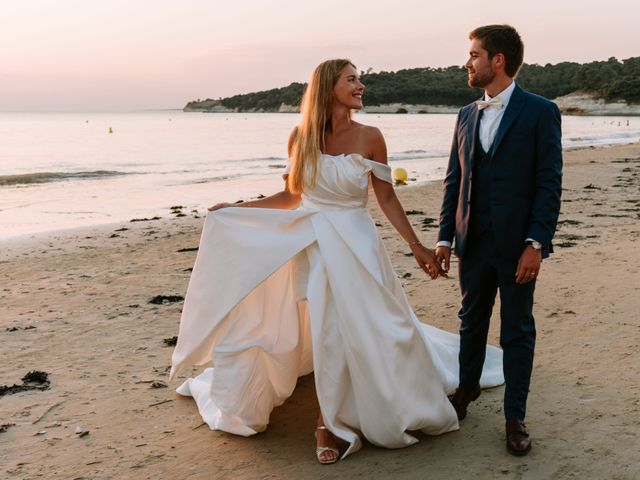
x=219 y=178
x=415 y=151
x=45 y=177
x=257 y=160
x=601 y=140
x=280 y=162
x=416 y=155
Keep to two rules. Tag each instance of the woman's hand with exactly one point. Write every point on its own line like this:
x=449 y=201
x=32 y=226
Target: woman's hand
x=427 y=261
x=218 y=206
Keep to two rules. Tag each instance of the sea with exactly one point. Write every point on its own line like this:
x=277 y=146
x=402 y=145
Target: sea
x=68 y=170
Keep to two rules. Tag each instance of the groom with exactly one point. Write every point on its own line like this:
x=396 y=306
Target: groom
x=501 y=204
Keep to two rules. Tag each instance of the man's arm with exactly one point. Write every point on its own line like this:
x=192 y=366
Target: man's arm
x=451 y=193
x=548 y=188
x=548 y=177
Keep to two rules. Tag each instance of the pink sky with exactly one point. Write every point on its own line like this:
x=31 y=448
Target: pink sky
x=60 y=55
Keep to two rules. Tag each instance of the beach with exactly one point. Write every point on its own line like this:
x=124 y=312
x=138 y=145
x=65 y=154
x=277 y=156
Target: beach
x=76 y=305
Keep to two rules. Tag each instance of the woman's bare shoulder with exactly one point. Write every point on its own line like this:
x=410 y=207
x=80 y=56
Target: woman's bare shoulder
x=374 y=140
x=368 y=132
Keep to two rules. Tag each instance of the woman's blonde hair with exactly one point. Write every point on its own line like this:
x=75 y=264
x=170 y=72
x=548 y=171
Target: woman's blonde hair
x=308 y=138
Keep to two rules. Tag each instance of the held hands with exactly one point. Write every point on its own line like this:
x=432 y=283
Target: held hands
x=427 y=261
x=528 y=265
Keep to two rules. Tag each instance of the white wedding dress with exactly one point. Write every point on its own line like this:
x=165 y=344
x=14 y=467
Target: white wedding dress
x=276 y=294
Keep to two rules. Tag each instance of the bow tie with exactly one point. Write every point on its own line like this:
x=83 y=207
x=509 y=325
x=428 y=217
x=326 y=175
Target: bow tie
x=494 y=102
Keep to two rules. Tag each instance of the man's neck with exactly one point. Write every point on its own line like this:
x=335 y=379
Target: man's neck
x=498 y=86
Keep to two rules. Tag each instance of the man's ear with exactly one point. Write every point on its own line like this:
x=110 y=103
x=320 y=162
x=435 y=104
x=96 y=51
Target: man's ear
x=498 y=61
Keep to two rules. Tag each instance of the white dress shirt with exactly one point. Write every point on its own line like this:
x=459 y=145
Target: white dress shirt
x=491 y=117
x=489 y=123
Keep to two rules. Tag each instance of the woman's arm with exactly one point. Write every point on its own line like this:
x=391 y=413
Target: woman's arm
x=392 y=209
x=284 y=200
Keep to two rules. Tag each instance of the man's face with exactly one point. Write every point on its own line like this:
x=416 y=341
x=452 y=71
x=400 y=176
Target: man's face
x=479 y=65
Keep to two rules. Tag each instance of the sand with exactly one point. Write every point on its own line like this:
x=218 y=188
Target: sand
x=75 y=304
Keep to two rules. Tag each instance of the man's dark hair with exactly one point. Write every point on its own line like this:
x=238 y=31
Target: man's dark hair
x=502 y=39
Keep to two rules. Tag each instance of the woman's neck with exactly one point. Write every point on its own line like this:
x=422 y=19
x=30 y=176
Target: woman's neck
x=340 y=120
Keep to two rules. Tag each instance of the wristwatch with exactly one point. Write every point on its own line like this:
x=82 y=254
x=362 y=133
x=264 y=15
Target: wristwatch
x=535 y=244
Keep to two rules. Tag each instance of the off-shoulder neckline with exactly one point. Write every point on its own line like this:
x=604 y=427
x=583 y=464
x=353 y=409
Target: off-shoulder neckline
x=351 y=155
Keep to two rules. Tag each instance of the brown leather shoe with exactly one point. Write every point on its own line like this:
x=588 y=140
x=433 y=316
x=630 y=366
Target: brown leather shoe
x=461 y=400
x=518 y=440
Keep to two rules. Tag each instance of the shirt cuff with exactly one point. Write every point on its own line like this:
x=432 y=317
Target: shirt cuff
x=443 y=243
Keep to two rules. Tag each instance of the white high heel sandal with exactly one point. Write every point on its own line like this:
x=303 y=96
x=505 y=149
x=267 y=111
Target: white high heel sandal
x=321 y=450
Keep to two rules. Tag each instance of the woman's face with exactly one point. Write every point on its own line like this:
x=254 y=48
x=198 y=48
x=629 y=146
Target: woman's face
x=348 y=90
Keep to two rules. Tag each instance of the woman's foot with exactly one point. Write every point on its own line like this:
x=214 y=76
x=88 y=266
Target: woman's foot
x=326 y=450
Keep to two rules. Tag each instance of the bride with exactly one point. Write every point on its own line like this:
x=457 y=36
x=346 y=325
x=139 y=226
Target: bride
x=300 y=282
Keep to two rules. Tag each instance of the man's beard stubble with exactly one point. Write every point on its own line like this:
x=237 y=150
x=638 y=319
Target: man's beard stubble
x=481 y=81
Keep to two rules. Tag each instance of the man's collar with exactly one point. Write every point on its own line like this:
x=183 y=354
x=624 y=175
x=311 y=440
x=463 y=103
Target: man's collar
x=504 y=95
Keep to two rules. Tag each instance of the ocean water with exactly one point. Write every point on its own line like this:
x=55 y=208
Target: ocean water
x=71 y=170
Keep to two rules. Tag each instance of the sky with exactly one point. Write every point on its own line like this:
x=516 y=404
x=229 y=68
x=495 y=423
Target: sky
x=125 y=55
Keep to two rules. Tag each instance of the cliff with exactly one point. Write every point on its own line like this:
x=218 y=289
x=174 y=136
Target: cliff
x=578 y=103
x=588 y=104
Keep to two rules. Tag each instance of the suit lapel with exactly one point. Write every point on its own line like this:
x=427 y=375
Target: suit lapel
x=516 y=103
x=473 y=127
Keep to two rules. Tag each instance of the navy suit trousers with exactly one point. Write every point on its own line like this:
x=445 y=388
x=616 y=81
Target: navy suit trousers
x=482 y=274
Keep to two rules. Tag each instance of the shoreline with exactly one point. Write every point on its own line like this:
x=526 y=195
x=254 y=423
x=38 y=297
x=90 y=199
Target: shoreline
x=428 y=110
x=77 y=306
x=97 y=228
x=573 y=104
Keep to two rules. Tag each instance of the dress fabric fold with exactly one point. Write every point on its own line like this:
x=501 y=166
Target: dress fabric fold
x=276 y=294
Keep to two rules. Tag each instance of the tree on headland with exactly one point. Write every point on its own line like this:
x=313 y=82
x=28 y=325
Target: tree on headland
x=611 y=80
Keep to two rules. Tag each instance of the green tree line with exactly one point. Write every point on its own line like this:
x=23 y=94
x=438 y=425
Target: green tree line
x=611 y=79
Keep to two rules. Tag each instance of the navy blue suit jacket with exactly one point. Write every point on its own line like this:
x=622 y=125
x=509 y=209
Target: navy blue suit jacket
x=526 y=176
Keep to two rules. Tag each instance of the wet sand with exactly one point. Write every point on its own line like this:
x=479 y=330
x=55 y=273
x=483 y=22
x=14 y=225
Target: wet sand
x=76 y=305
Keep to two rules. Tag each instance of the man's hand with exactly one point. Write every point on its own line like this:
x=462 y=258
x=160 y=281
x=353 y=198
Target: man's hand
x=443 y=257
x=528 y=265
